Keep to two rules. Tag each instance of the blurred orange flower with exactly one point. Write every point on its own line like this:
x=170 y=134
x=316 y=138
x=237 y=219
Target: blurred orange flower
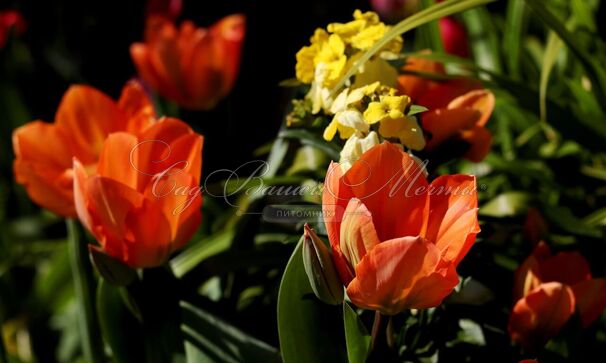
x=458 y=109
x=10 y=20
x=143 y=202
x=85 y=117
x=547 y=290
x=397 y=239
x=194 y=67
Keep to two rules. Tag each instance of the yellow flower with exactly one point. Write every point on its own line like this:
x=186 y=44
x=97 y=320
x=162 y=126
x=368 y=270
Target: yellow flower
x=348 y=30
x=355 y=146
x=377 y=70
x=367 y=37
x=305 y=68
x=404 y=128
x=388 y=107
x=332 y=55
x=347 y=122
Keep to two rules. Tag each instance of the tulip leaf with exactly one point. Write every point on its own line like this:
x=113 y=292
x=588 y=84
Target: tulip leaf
x=512 y=37
x=508 y=204
x=120 y=330
x=218 y=341
x=210 y=246
x=309 y=330
x=356 y=336
x=308 y=138
x=113 y=271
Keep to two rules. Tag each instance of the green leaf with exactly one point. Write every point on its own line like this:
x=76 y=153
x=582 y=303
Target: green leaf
x=309 y=330
x=508 y=204
x=113 y=271
x=356 y=336
x=550 y=56
x=486 y=44
x=308 y=138
x=84 y=291
x=416 y=109
x=431 y=31
x=221 y=341
x=512 y=37
x=435 y=12
x=207 y=247
x=594 y=69
x=121 y=331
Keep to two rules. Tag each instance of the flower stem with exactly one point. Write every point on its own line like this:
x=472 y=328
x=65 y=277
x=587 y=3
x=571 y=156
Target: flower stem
x=375 y=330
x=92 y=348
x=3 y=355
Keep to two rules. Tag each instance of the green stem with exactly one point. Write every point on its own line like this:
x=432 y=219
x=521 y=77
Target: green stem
x=83 y=280
x=376 y=324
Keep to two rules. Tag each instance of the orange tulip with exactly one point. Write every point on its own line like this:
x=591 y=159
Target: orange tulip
x=397 y=239
x=194 y=67
x=548 y=288
x=85 y=117
x=143 y=202
x=458 y=109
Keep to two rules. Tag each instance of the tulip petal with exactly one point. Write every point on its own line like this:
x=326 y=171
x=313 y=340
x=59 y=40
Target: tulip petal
x=541 y=314
x=415 y=86
x=137 y=107
x=335 y=197
x=565 y=267
x=590 y=298
x=399 y=274
x=479 y=140
x=481 y=100
x=147 y=242
x=453 y=217
x=229 y=34
x=442 y=94
x=119 y=159
x=358 y=234
x=443 y=124
x=393 y=187
x=179 y=198
x=81 y=195
x=109 y=203
x=42 y=165
x=88 y=116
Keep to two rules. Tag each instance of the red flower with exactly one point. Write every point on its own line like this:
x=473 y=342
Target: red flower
x=10 y=20
x=194 y=67
x=84 y=119
x=458 y=109
x=454 y=37
x=548 y=288
x=397 y=239
x=142 y=202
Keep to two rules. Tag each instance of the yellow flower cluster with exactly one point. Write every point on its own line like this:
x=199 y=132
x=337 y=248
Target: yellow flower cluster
x=332 y=50
x=357 y=110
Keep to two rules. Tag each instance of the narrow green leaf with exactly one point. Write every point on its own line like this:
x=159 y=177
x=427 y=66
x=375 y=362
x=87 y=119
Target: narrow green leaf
x=512 y=37
x=356 y=336
x=121 y=331
x=486 y=44
x=215 y=337
x=431 y=31
x=191 y=257
x=84 y=291
x=309 y=330
x=552 y=50
x=594 y=70
x=308 y=138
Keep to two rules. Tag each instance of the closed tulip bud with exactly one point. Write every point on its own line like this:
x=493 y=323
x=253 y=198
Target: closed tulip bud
x=320 y=270
x=454 y=37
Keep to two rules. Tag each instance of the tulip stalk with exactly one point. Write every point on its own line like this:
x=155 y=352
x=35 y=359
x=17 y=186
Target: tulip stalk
x=92 y=348
x=3 y=358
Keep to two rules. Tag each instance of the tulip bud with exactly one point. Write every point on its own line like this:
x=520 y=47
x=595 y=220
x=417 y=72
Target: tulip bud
x=320 y=269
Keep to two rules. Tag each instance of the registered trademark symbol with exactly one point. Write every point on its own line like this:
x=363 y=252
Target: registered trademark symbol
x=483 y=187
